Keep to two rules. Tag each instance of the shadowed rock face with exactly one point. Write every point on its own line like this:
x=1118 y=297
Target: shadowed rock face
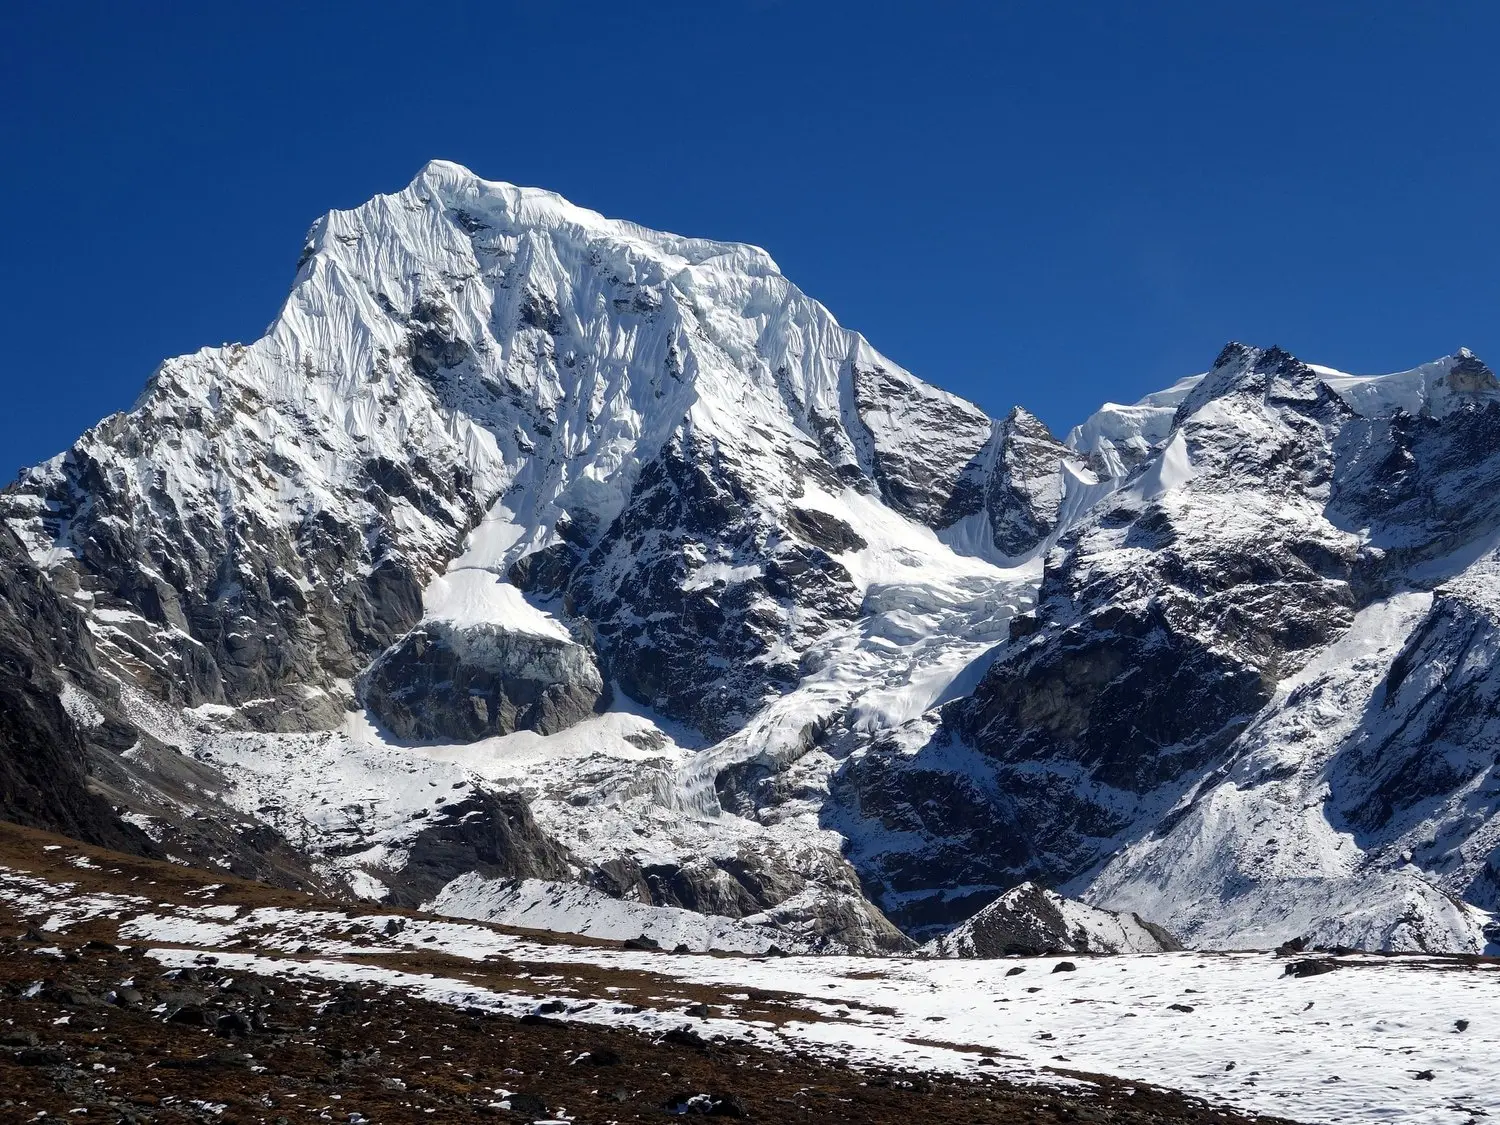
x=464 y=684
x=1031 y=921
x=1025 y=488
x=1429 y=741
x=1162 y=627
x=221 y=604
x=936 y=482
x=700 y=599
x=43 y=749
x=493 y=834
x=63 y=765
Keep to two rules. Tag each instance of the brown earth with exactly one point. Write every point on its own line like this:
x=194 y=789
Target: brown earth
x=91 y=1031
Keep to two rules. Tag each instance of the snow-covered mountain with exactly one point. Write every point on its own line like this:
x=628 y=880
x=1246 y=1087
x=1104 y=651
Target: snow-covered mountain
x=532 y=557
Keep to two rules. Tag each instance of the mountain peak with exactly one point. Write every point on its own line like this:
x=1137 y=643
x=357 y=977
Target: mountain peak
x=503 y=466
x=438 y=170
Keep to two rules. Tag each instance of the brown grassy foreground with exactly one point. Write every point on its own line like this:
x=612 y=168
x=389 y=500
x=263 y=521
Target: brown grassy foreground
x=90 y=1031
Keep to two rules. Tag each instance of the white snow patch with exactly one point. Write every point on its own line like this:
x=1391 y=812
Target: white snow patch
x=469 y=596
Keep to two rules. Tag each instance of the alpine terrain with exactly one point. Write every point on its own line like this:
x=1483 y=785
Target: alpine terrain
x=540 y=569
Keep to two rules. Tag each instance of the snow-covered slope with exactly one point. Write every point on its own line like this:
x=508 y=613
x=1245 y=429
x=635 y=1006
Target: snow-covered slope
x=1337 y=1039
x=533 y=545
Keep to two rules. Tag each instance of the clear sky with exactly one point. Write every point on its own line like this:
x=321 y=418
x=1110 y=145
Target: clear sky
x=1047 y=203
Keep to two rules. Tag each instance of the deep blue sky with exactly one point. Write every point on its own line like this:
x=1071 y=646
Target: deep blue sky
x=1048 y=203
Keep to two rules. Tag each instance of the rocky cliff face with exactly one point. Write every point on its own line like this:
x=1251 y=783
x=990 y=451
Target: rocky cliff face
x=45 y=718
x=534 y=544
x=461 y=685
x=1026 y=486
x=1124 y=742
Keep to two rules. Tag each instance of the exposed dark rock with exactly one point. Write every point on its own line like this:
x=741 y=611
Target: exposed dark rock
x=44 y=751
x=823 y=530
x=491 y=833
x=1031 y=921
x=1309 y=967
x=545 y=572
x=703 y=625
x=1025 y=488
x=464 y=684
x=925 y=446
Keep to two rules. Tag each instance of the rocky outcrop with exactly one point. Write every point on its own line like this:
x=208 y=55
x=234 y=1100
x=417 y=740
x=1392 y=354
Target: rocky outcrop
x=45 y=720
x=823 y=907
x=1026 y=485
x=1031 y=921
x=1426 y=743
x=924 y=444
x=63 y=744
x=490 y=834
x=199 y=591
x=461 y=684
x=1167 y=617
x=700 y=602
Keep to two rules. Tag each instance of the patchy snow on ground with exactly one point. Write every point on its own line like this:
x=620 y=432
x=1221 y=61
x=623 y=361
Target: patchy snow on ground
x=570 y=908
x=1370 y=1039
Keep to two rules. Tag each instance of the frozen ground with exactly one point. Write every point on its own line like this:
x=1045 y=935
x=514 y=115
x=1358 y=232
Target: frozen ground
x=1393 y=1038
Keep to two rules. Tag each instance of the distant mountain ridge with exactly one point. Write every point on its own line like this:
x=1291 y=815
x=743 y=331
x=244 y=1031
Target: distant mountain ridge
x=533 y=545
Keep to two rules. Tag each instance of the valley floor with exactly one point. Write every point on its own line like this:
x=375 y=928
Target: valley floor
x=145 y=991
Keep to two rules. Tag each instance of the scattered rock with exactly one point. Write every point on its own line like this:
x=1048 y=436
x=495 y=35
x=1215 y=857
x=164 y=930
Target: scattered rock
x=527 y=1104
x=186 y=1014
x=598 y=1056
x=705 y=1105
x=40 y=1056
x=683 y=1036
x=1310 y=967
